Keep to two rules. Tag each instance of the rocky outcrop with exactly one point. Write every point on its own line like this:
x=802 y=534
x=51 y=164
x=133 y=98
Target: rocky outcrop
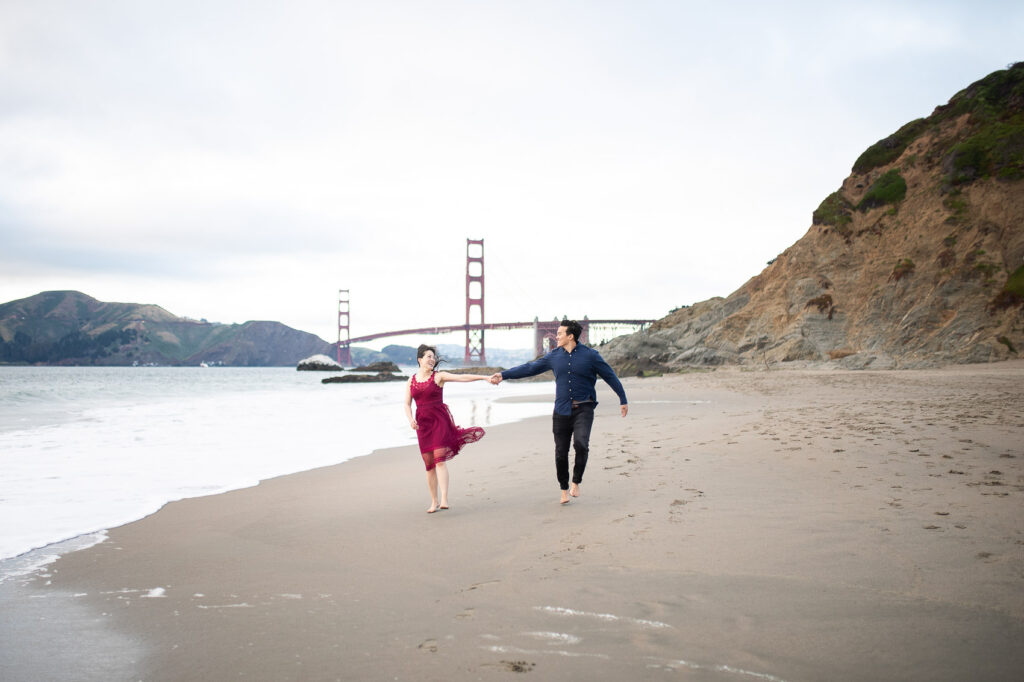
x=385 y=366
x=916 y=260
x=318 y=363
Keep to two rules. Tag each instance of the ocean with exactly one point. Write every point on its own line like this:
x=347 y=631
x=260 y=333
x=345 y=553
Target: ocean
x=84 y=449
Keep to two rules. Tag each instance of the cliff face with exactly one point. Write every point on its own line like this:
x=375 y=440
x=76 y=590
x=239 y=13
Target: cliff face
x=68 y=327
x=916 y=260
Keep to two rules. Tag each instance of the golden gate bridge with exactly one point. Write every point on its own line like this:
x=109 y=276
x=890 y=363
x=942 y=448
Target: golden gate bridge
x=475 y=326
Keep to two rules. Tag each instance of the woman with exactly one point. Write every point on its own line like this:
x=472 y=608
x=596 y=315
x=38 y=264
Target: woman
x=439 y=438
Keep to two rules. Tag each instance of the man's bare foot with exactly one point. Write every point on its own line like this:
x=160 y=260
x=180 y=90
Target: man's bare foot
x=574 y=490
x=565 y=497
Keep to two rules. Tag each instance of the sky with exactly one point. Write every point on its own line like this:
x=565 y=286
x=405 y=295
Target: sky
x=235 y=161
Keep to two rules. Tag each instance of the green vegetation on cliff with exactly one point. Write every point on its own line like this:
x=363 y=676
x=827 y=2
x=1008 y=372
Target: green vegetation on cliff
x=993 y=147
x=888 y=189
x=1012 y=293
x=834 y=210
x=889 y=149
x=996 y=149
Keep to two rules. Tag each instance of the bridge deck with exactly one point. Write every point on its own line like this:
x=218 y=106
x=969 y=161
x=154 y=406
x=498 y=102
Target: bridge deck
x=478 y=327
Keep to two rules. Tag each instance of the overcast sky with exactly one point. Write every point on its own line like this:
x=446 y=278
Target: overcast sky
x=245 y=160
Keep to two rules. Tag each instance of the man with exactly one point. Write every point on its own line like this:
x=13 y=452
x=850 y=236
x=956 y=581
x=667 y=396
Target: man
x=576 y=368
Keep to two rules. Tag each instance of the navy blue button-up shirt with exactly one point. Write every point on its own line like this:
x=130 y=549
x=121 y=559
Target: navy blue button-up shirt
x=575 y=375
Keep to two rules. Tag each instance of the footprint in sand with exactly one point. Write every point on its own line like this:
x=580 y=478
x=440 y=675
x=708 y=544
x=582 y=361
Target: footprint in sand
x=466 y=614
x=429 y=646
x=481 y=584
x=674 y=513
x=517 y=666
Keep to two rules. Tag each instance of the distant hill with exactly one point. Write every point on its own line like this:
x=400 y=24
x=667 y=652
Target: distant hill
x=71 y=328
x=916 y=260
x=454 y=355
x=496 y=357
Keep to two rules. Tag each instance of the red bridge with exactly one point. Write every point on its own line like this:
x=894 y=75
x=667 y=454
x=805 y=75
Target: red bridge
x=543 y=332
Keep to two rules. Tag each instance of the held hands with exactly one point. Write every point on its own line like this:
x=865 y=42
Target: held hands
x=414 y=425
x=495 y=378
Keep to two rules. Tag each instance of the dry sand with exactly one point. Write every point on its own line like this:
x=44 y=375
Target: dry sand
x=737 y=525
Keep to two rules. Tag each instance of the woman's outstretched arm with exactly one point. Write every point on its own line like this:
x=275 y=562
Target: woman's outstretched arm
x=461 y=378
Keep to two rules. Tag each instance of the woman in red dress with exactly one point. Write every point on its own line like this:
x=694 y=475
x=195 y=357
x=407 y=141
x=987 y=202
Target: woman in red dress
x=439 y=438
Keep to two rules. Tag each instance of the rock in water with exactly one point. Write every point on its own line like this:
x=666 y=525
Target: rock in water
x=318 y=363
x=385 y=366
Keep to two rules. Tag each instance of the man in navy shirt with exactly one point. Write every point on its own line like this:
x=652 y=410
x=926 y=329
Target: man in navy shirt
x=576 y=368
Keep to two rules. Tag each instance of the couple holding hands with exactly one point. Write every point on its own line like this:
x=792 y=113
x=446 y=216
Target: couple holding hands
x=576 y=368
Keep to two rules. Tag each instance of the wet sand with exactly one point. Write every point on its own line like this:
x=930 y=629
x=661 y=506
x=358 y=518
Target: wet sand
x=793 y=524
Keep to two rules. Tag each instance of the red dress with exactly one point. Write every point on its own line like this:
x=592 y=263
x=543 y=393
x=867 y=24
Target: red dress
x=440 y=439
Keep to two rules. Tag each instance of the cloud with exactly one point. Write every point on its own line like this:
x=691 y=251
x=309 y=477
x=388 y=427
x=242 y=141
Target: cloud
x=236 y=161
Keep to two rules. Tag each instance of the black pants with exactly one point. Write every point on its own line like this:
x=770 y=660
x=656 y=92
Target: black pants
x=574 y=427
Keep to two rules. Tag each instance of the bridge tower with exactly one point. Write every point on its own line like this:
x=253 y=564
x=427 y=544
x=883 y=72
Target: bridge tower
x=544 y=334
x=475 y=302
x=344 y=351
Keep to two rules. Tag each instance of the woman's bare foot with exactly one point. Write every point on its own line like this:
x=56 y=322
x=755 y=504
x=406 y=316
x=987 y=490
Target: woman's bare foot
x=444 y=505
x=433 y=508
x=574 y=490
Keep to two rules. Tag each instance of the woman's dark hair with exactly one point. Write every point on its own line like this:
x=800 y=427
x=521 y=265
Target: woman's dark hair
x=572 y=327
x=422 y=350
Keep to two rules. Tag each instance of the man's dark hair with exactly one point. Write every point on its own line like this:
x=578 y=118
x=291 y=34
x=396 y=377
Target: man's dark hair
x=572 y=327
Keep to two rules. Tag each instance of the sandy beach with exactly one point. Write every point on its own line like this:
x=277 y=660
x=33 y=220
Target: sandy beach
x=791 y=524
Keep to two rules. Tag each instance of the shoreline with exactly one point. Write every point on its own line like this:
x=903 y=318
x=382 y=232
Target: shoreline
x=88 y=469
x=794 y=524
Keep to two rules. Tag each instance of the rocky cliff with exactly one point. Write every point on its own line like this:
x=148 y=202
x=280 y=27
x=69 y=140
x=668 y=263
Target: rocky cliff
x=70 y=328
x=916 y=260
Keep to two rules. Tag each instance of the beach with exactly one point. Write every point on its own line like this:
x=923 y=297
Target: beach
x=739 y=524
